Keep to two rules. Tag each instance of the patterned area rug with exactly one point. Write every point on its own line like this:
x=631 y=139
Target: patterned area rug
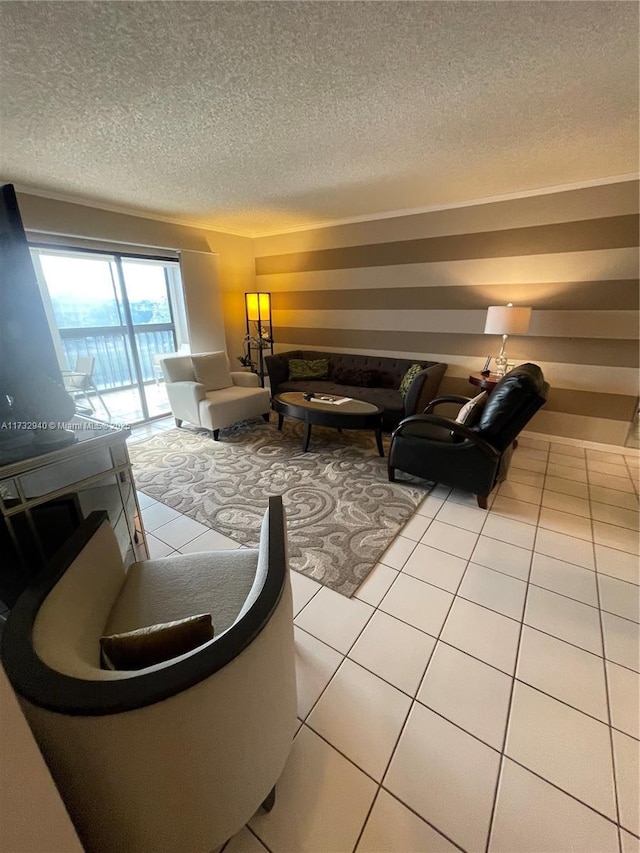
x=342 y=512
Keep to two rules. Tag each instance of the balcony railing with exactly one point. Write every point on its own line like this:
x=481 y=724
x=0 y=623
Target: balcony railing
x=110 y=347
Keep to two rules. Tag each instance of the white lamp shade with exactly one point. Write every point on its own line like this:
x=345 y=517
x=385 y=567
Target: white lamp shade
x=507 y=320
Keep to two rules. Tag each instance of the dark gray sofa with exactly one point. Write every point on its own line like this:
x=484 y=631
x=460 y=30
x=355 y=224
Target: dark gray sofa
x=386 y=394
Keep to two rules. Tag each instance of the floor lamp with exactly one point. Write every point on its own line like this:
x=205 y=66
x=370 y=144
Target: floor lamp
x=259 y=329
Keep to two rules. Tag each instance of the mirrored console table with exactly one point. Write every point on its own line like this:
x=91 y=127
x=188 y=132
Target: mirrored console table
x=46 y=494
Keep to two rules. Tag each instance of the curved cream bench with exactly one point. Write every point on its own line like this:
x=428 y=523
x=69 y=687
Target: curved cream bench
x=177 y=756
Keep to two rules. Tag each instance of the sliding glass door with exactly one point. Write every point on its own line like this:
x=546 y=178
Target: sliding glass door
x=115 y=316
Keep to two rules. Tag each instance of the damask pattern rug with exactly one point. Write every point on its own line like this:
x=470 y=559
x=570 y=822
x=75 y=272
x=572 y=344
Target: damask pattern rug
x=342 y=512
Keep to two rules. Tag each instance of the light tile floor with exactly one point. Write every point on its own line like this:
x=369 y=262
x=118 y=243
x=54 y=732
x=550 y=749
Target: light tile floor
x=480 y=691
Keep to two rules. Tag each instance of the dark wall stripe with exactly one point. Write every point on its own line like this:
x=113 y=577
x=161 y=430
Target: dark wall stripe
x=613 y=232
x=601 y=351
x=617 y=407
x=618 y=295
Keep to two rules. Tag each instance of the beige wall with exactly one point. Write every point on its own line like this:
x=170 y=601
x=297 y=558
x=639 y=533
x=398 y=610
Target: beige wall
x=419 y=286
x=216 y=267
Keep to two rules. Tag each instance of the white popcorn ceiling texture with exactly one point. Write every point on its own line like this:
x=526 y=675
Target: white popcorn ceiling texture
x=257 y=116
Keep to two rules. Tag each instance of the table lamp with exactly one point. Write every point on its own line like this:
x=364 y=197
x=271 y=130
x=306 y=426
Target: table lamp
x=506 y=320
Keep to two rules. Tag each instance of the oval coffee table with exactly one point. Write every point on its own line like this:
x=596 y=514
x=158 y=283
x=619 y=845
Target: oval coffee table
x=356 y=414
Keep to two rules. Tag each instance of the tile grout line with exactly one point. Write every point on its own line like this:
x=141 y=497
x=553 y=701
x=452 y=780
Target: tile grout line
x=366 y=819
x=295 y=616
x=562 y=790
x=473 y=657
x=532 y=687
x=580 y=648
x=502 y=755
x=411 y=705
x=255 y=835
x=345 y=656
x=608 y=698
x=421 y=681
x=419 y=816
x=496 y=791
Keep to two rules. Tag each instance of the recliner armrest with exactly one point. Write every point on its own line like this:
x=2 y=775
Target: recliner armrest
x=451 y=398
x=451 y=426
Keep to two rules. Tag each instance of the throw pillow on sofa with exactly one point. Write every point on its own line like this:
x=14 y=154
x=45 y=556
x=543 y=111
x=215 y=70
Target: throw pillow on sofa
x=357 y=378
x=408 y=378
x=302 y=368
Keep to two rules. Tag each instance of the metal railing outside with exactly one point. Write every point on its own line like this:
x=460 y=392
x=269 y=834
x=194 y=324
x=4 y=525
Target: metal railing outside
x=110 y=347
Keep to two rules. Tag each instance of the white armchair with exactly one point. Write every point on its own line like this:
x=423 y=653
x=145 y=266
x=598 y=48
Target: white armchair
x=178 y=756
x=205 y=392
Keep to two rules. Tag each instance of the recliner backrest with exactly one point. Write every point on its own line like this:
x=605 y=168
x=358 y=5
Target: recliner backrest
x=512 y=404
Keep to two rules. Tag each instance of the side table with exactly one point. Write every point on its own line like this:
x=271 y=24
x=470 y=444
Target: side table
x=487 y=383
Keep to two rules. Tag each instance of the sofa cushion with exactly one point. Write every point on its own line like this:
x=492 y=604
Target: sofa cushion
x=155 y=643
x=391 y=369
x=211 y=369
x=171 y=588
x=228 y=406
x=301 y=368
x=360 y=378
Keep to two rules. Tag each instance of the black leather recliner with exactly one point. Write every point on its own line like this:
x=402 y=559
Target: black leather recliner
x=473 y=458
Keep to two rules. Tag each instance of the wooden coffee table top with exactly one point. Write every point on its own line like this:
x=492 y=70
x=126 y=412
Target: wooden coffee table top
x=354 y=414
x=295 y=399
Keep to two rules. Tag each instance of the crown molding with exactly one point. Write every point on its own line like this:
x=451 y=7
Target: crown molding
x=412 y=211
x=327 y=223
x=25 y=189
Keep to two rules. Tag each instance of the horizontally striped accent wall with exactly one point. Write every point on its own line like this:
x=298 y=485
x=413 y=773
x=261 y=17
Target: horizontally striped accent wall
x=420 y=285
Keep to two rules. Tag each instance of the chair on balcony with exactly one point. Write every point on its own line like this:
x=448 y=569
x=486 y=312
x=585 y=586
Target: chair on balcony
x=79 y=382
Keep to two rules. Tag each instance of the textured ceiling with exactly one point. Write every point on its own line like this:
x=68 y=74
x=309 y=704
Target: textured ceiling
x=257 y=116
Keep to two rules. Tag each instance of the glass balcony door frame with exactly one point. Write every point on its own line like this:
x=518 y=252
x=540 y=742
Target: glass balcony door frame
x=127 y=328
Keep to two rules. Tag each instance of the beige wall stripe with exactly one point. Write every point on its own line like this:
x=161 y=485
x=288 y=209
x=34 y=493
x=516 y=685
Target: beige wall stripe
x=579 y=427
x=579 y=324
x=616 y=407
x=538 y=270
x=612 y=380
x=611 y=353
x=612 y=295
x=565 y=206
x=584 y=235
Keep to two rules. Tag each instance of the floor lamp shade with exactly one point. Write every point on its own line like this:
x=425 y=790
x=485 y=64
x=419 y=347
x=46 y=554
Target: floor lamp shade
x=258 y=306
x=259 y=335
